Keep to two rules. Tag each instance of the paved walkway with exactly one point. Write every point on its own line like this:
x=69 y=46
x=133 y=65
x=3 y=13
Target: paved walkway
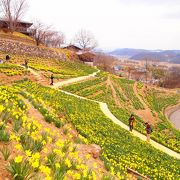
x=66 y=82
x=74 y=80
x=37 y=75
x=108 y=113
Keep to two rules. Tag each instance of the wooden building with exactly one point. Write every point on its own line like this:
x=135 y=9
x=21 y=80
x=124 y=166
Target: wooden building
x=73 y=48
x=87 y=58
x=22 y=27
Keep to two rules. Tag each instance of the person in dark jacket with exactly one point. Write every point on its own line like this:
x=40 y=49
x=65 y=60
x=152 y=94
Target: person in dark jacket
x=148 y=131
x=52 y=79
x=26 y=63
x=7 y=58
x=131 y=122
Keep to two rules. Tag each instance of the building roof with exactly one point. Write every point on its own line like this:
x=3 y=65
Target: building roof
x=21 y=22
x=72 y=47
x=87 y=57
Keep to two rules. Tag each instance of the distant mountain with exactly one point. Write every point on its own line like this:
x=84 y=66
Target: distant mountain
x=127 y=52
x=172 y=56
x=167 y=56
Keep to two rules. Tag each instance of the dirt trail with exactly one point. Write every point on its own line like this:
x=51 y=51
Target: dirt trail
x=146 y=113
x=121 y=91
x=115 y=97
x=95 y=94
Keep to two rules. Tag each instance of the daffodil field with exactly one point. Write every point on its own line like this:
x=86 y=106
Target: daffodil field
x=36 y=152
x=46 y=134
x=120 y=149
x=158 y=101
x=63 y=69
x=12 y=69
x=98 y=89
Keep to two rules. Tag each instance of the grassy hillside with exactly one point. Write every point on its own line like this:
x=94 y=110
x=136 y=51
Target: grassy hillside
x=47 y=134
x=119 y=148
x=42 y=59
x=121 y=98
x=30 y=148
x=16 y=36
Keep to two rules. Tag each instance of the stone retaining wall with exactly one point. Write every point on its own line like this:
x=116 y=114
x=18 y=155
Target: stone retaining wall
x=13 y=47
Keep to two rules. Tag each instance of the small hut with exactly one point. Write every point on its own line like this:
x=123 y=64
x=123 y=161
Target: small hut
x=87 y=58
x=73 y=48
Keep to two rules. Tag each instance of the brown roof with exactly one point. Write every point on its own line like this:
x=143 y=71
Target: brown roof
x=73 y=48
x=86 y=57
x=20 y=22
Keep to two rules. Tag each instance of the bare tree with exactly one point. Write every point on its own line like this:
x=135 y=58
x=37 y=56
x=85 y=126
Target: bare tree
x=45 y=35
x=104 y=62
x=39 y=32
x=172 y=78
x=54 y=39
x=129 y=70
x=85 y=40
x=13 y=11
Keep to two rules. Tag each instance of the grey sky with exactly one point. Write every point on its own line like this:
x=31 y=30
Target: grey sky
x=150 y=24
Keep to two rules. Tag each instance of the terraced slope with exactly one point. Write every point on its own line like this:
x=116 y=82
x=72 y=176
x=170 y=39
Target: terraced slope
x=45 y=67
x=122 y=100
x=33 y=148
x=94 y=127
x=55 y=143
x=46 y=60
x=119 y=148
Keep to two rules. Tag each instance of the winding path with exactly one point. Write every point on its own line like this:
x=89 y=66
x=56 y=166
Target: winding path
x=107 y=112
x=74 y=80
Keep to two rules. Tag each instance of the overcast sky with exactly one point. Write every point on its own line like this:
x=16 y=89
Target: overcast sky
x=148 y=24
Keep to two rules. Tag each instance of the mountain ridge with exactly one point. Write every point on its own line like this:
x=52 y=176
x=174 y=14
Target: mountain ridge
x=172 y=56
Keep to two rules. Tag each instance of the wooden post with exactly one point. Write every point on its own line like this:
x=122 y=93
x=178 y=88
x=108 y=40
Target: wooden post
x=137 y=173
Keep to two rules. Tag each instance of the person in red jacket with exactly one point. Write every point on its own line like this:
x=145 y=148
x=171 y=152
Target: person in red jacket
x=148 y=131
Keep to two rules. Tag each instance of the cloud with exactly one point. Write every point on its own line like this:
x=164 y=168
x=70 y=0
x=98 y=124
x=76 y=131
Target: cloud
x=173 y=15
x=150 y=2
x=115 y=23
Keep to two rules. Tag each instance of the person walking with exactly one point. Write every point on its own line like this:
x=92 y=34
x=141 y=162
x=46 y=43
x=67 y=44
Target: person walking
x=52 y=79
x=148 y=131
x=26 y=63
x=131 y=122
x=7 y=58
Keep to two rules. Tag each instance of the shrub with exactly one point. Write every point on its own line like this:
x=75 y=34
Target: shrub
x=5 y=152
x=20 y=171
x=4 y=136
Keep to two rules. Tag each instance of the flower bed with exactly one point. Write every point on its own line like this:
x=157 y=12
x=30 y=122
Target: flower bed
x=34 y=151
x=120 y=148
